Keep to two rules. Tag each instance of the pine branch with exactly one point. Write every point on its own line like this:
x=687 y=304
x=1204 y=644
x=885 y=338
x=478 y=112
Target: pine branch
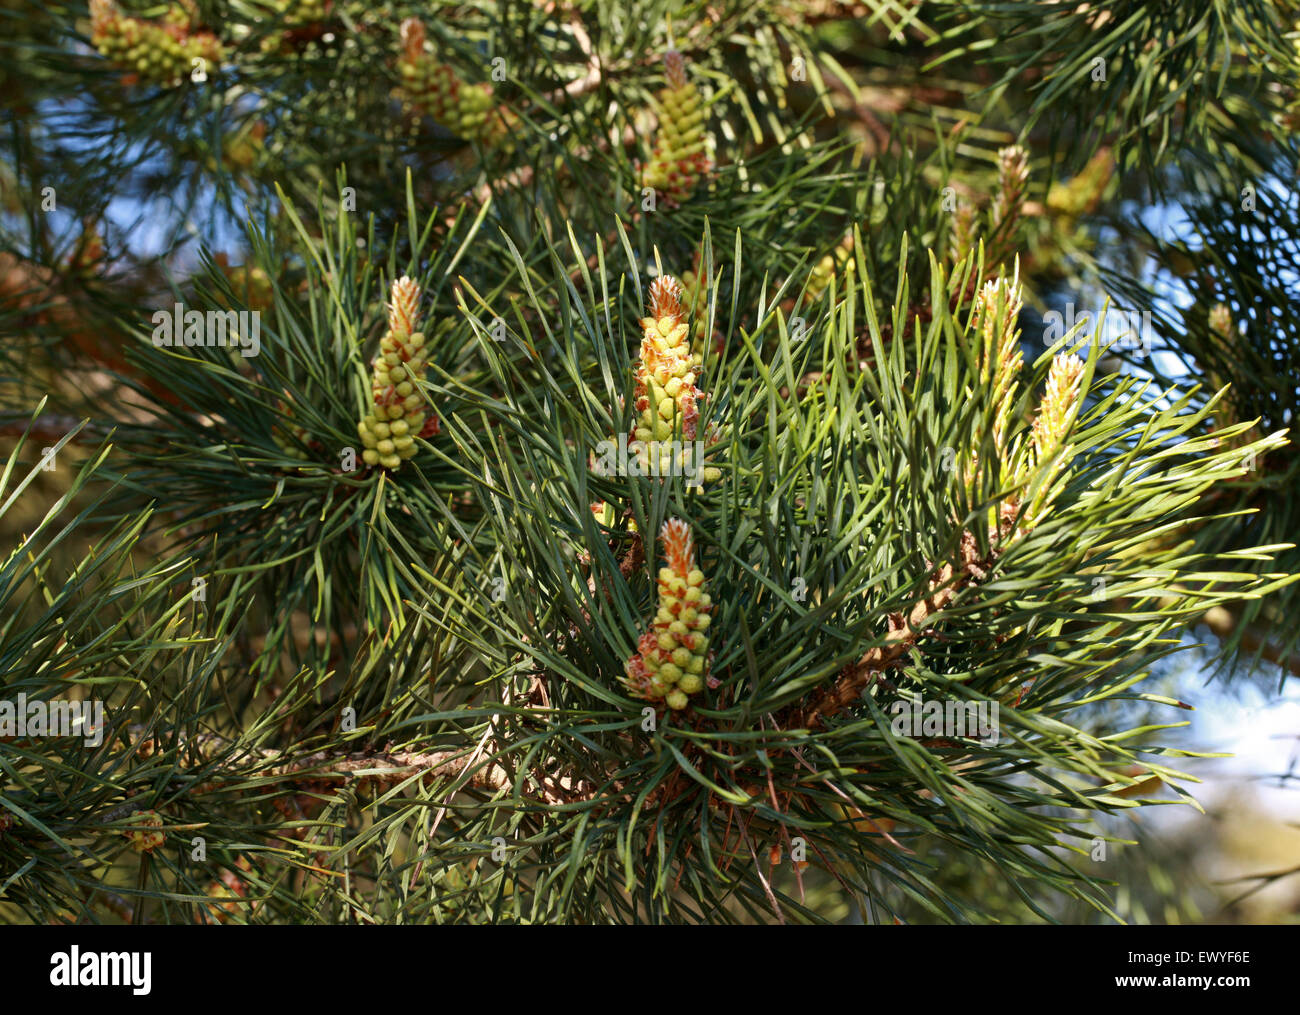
x=372 y=770
x=903 y=634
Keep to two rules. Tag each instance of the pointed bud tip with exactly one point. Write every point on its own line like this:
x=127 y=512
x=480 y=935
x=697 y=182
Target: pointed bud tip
x=412 y=35
x=675 y=68
x=403 y=307
x=665 y=298
x=679 y=546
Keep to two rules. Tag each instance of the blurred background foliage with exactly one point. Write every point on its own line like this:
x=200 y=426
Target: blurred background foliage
x=293 y=174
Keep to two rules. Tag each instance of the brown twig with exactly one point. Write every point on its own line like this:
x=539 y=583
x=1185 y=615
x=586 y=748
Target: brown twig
x=903 y=633
x=378 y=769
x=50 y=428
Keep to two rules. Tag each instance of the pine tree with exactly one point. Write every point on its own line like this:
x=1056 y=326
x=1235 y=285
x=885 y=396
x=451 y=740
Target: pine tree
x=536 y=462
